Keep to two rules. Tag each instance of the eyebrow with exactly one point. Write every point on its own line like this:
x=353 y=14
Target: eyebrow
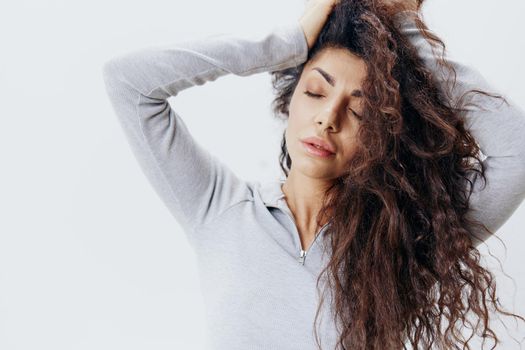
x=331 y=80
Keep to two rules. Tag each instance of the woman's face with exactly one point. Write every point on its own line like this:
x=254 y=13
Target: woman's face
x=336 y=75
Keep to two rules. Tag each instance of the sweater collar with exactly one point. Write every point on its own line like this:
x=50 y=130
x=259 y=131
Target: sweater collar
x=273 y=196
x=271 y=192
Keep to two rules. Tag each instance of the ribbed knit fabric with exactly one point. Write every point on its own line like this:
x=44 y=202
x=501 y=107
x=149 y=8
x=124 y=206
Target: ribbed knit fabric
x=259 y=291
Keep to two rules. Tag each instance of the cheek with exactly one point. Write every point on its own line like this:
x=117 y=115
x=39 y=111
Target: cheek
x=294 y=114
x=350 y=143
x=295 y=127
x=298 y=111
x=293 y=105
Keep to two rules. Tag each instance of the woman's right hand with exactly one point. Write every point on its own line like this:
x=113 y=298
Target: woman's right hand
x=403 y=5
x=317 y=12
x=314 y=18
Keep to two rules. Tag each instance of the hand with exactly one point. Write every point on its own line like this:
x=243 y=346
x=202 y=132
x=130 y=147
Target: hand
x=403 y=5
x=314 y=18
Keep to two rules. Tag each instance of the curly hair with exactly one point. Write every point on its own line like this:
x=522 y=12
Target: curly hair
x=403 y=259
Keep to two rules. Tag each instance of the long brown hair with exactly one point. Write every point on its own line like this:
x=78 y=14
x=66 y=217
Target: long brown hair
x=403 y=259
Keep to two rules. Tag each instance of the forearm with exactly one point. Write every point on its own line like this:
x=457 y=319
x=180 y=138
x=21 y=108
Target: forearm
x=163 y=71
x=193 y=183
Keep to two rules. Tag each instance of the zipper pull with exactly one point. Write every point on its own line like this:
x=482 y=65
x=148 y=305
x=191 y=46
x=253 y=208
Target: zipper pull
x=302 y=256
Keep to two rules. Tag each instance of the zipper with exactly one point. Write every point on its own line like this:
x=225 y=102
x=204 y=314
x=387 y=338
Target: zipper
x=302 y=256
x=302 y=253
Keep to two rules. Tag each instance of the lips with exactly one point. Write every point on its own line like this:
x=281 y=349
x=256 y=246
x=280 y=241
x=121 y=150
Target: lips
x=323 y=144
x=315 y=151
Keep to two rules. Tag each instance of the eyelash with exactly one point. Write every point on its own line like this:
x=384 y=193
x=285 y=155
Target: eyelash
x=308 y=93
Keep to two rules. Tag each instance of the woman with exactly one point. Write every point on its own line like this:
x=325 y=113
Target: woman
x=386 y=209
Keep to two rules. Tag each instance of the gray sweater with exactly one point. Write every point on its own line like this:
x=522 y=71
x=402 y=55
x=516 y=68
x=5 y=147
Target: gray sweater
x=257 y=281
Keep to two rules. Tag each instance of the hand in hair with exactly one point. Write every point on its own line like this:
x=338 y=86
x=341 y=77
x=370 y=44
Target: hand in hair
x=314 y=17
x=402 y=5
x=317 y=11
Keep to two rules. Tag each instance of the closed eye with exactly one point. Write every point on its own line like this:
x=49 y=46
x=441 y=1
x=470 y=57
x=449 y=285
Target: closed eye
x=308 y=93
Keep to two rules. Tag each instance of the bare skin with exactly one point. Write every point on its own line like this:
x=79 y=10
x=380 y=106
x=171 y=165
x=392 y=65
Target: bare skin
x=317 y=11
x=333 y=115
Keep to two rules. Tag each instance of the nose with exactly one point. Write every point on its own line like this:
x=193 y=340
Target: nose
x=328 y=117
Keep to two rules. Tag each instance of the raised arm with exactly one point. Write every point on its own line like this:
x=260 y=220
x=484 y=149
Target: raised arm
x=195 y=185
x=499 y=129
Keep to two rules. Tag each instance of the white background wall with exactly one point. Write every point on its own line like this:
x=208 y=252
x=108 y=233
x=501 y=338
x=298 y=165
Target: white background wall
x=89 y=256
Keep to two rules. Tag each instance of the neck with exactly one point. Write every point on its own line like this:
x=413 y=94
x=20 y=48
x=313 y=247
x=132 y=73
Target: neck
x=304 y=196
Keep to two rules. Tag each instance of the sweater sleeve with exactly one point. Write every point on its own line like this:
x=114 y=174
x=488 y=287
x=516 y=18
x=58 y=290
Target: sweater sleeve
x=499 y=130
x=194 y=185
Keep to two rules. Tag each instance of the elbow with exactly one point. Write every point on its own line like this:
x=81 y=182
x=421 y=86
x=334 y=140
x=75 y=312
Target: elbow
x=117 y=67
x=110 y=70
x=113 y=75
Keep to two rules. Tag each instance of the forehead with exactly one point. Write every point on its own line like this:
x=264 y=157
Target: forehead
x=341 y=64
